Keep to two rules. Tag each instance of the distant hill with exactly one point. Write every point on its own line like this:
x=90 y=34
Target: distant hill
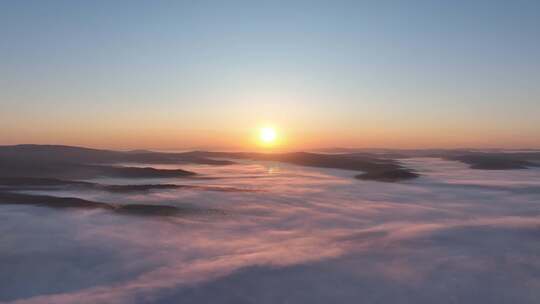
x=57 y=153
x=483 y=159
x=57 y=161
x=53 y=161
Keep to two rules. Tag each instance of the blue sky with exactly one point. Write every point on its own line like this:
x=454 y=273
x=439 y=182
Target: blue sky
x=179 y=74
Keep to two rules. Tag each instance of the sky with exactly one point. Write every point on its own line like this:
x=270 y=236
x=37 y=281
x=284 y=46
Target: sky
x=209 y=74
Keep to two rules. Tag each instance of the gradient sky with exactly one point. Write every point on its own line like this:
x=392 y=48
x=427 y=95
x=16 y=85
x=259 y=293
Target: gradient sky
x=208 y=74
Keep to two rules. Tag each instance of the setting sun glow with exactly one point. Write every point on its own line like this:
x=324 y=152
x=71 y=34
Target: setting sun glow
x=267 y=135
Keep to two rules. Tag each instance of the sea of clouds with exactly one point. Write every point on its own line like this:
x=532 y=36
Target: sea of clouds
x=304 y=235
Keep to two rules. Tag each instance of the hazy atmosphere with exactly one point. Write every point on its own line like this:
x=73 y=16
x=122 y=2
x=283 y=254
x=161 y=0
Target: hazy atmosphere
x=269 y=152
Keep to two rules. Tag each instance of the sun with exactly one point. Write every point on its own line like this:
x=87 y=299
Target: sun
x=267 y=135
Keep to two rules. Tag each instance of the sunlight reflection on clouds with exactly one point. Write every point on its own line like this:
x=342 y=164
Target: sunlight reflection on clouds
x=447 y=223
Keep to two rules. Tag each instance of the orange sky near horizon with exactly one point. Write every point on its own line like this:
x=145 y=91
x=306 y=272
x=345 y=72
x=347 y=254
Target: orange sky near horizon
x=289 y=138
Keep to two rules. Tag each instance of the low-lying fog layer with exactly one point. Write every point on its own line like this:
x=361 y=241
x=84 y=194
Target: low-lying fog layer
x=307 y=235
